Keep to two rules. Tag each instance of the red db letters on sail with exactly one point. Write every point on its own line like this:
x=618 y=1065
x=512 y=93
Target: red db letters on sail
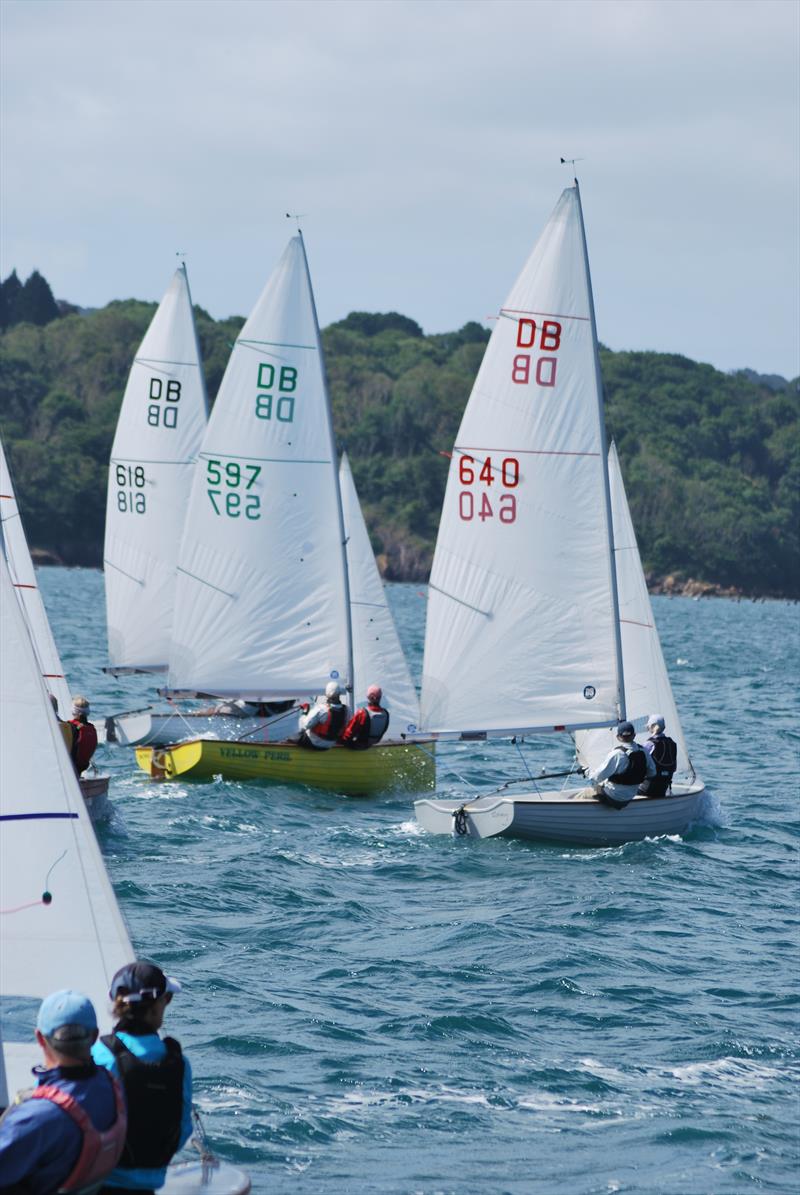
x=540 y=365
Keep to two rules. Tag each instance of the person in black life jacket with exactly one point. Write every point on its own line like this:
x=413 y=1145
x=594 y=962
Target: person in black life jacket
x=664 y=752
x=616 y=782
x=84 y=742
x=369 y=724
x=68 y=1132
x=321 y=726
x=155 y=1073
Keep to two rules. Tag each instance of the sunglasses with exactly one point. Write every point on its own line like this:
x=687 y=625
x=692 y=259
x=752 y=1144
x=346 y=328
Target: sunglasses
x=147 y=994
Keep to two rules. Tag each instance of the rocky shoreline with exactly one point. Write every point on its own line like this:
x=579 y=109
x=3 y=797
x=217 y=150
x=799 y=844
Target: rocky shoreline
x=669 y=586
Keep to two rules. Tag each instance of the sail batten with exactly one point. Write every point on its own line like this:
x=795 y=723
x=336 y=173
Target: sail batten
x=520 y=635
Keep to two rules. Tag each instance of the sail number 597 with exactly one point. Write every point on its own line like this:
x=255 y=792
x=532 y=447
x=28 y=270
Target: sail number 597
x=481 y=504
x=228 y=485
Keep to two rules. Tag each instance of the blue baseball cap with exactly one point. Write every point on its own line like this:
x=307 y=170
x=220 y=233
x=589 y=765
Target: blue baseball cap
x=626 y=730
x=67 y=1008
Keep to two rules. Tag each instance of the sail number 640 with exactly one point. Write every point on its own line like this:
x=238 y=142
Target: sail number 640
x=472 y=505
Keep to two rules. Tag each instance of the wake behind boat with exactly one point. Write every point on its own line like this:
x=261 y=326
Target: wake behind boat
x=278 y=593
x=529 y=592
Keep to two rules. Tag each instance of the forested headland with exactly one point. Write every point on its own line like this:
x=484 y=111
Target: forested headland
x=711 y=460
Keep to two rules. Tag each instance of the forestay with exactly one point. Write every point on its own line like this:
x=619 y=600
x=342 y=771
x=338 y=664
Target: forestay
x=378 y=656
x=262 y=586
x=647 y=686
x=521 y=625
x=60 y=923
x=23 y=579
x=160 y=428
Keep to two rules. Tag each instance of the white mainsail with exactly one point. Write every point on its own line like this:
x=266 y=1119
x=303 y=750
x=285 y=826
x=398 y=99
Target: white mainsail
x=377 y=653
x=647 y=687
x=262 y=583
x=23 y=579
x=60 y=923
x=521 y=631
x=159 y=431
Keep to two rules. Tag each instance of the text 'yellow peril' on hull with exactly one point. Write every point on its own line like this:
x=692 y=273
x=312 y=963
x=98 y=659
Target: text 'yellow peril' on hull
x=407 y=766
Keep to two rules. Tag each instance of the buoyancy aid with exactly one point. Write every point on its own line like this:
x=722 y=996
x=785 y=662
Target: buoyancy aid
x=635 y=769
x=367 y=727
x=154 y=1091
x=332 y=726
x=85 y=744
x=664 y=754
x=100 y=1151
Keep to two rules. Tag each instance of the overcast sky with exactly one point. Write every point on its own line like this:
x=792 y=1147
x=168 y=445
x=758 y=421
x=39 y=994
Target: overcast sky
x=421 y=141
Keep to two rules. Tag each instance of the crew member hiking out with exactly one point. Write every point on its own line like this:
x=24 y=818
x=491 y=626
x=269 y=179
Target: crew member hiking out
x=155 y=1074
x=664 y=753
x=617 y=781
x=68 y=1132
x=84 y=742
x=321 y=726
x=369 y=724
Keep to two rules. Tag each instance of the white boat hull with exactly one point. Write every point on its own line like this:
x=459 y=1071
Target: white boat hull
x=94 y=790
x=212 y=1177
x=560 y=817
x=148 y=728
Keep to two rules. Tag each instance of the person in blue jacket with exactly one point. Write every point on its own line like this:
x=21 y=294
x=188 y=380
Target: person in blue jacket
x=154 y=1072
x=68 y=1132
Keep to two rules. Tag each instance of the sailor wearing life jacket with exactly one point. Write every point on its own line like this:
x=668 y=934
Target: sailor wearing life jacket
x=68 y=1132
x=367 y=725
x=617 y=781
x=155 y=1074
x=84 y=735
x=664 y=753
x=325 y=721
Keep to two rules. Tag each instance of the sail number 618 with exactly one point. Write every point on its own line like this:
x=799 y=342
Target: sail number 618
x=483 y=472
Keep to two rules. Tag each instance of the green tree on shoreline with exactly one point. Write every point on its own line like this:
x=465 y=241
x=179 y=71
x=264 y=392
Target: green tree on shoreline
x=711 y=460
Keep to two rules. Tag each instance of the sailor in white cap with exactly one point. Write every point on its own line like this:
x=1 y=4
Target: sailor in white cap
x=325 y=721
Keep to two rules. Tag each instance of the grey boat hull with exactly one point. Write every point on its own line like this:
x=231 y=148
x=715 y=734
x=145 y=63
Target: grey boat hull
x=561 y=818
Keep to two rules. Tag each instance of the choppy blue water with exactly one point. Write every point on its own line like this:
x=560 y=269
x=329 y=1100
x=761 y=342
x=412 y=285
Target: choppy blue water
x=368 y=1008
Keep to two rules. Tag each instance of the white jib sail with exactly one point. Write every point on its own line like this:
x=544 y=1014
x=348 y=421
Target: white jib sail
x=60 y=923
x=521 y=630
x=377 y=653
x=647 y=687
x=159 y=431
x=261 y=598
x=23 y=579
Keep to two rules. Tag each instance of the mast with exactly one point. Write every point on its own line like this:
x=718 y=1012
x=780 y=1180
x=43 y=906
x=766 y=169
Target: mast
x=606 y=484
x=342 y=537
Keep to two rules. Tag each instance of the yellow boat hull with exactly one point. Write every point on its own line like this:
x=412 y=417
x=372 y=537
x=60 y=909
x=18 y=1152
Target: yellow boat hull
x=409 y=767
